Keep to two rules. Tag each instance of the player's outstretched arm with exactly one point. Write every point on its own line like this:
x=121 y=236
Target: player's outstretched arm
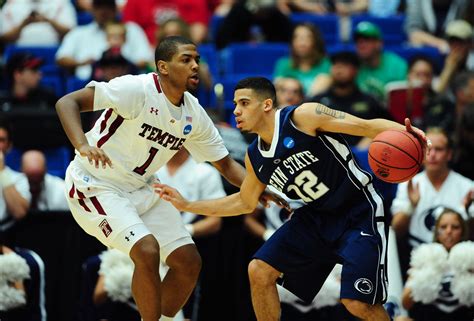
x=245 y=201
x=314 y=117
x=69 y=108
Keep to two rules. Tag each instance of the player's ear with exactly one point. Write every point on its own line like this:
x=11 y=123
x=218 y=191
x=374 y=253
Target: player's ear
x=267 y=104
x=162 y=67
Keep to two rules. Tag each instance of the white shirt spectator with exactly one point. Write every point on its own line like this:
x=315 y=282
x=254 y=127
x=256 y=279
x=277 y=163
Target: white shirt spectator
x=15 y=12
x=423 y=217
x=89 y=42
x=195 y=181
x=52 y=197
x=21 y=184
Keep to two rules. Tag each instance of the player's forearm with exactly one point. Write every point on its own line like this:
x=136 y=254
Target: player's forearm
x=231 y=205
x=69 y=115
x=233 y=172
x=376 y=126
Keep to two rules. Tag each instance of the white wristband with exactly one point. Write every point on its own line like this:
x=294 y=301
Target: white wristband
x=6 y=178
x=409 y=209
x=189 y=228
x=268 y=232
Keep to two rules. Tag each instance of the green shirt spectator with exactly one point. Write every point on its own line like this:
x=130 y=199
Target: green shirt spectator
x=372 y=80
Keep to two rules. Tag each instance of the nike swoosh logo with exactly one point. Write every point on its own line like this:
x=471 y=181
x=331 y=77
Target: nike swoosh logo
x=260 y=169
x=364 y=234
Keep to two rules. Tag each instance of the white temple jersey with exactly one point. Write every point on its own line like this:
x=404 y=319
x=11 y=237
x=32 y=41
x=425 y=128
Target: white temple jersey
x=140 y=130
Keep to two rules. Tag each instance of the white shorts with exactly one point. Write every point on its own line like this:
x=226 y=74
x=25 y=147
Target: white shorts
x=119 y=219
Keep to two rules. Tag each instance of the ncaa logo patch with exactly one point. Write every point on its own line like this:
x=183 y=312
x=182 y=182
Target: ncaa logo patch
x=364 y=286
x=187 y=129
x=288 y=142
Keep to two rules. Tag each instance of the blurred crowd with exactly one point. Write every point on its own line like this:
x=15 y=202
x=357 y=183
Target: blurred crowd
x=371 y=58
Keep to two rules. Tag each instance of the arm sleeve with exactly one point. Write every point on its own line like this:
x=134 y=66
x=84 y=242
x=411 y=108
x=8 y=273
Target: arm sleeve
x=401 y=203
x=206 y=144
x=125 y=95
x=414 y=16
x=68 y=45
x=22 y=186
x=137 y=40
x=67 y=15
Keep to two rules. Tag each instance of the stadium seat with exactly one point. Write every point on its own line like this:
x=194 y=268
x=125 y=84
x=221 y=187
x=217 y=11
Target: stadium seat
x=391 y=27
x=214 y=24
x=209 y=54
x=243 y=59
x=328 y=24
x=47 y=53
x=84 y=18
x=73 y=84
x=53 y=82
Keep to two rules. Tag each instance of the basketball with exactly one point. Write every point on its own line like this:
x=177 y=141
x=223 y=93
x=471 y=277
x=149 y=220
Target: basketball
x=395 y=156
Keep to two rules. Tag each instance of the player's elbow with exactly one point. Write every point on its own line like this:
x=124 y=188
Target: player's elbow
x=248 y=206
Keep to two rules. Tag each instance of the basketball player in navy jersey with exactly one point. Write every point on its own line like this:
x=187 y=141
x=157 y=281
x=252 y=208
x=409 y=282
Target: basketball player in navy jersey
x=300 y=152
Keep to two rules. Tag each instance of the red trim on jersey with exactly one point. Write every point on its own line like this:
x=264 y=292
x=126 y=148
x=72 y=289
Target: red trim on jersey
x=113 y=128
x=83 y=204
x=71 y=191
x=80 y=194
x=97 y=205
x=157 y=83
x=103 y=123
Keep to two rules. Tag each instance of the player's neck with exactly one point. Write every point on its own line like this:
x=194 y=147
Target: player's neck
x=174 y=95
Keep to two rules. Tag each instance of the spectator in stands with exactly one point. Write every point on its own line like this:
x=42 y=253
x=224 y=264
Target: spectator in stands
x=310 y=6
x=438 y=110
x=346 y=8
x=345 y=95
x=439 y=285
x=426 y=21
x=84 y=45
x=463 y=158
x=383 y=8
x=418 y=201
x=36 y=23
x=463 y=90
x=15 y=196
x=254 y=20
x=289 y=92
x=24 y=89
x=194 y=12
x=112 y=64
x=459 y=34
x=307 y=61
x=47 y=191
x=197 y=181
x=116 y=34
x=86 y=5
x=378 y=67
x=179 y=27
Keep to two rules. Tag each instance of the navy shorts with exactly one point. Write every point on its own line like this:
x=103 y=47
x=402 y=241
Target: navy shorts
x=305 y=250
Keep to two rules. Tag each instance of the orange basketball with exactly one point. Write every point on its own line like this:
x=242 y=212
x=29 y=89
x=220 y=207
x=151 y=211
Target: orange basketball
x=395 y=156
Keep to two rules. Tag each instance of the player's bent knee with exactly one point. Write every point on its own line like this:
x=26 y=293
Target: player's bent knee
x=146 y=251
x=357 y=308
x=261 y=272
x=185 y=259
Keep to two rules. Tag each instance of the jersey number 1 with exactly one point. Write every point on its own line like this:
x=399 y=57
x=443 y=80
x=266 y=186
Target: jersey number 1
x=304 y=184
x=142 y=169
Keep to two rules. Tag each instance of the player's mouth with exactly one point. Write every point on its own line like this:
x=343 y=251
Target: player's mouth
x=194 y=79
x=238 y=123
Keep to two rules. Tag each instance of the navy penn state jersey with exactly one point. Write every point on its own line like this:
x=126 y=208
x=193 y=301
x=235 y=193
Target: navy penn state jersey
x=319 y=170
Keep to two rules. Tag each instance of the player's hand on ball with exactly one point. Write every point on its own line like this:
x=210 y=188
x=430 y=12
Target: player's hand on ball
x=268 y=196
x=95 y=155
x=426 y=143
x=171 y=195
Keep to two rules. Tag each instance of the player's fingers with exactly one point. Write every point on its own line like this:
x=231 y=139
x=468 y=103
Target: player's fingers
x=408 y=125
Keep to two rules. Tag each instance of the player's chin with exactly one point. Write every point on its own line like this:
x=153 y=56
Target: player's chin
x=192 y=84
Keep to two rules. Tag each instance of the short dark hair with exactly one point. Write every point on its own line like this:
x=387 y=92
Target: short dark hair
x=261 y=85
x=104 y=3
x=413 y=60
x=168 y=47
x=347 y=57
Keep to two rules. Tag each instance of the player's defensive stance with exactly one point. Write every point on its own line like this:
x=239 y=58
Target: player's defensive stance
x=299 y=152
x=147 y=119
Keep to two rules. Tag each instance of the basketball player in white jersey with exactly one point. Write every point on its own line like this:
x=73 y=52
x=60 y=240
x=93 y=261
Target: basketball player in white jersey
x=146 y=120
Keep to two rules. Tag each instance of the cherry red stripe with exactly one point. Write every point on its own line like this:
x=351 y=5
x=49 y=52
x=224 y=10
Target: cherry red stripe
x=157 y=83
x=83 y=204
x=103 y=123
x=113 y=128
x=97 y=205
x=71 y=192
